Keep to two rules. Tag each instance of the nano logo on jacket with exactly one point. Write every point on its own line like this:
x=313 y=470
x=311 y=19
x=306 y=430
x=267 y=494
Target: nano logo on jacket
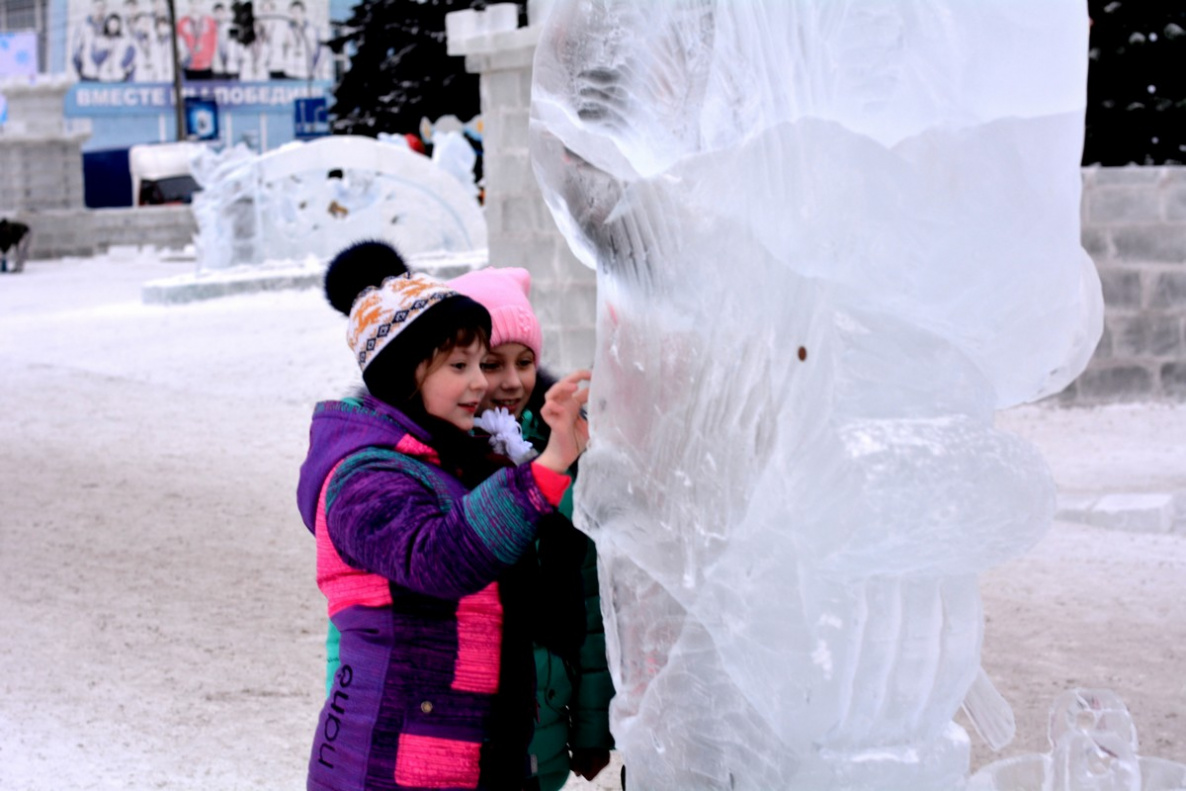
x=333 y=722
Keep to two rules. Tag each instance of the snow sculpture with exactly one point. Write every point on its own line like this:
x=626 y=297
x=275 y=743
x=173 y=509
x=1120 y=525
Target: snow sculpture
x=304 y=199
x=452 y=153
x=1093 y=748
x=831 y=238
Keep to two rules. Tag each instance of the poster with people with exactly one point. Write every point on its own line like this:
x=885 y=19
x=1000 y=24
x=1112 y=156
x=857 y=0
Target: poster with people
x=129 y=41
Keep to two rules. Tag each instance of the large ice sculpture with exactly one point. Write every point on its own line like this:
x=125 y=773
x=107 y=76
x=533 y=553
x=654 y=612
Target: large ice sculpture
x=307 y=199
x=832 y=237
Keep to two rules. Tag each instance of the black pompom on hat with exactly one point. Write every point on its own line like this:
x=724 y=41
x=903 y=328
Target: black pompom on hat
x=362 y=264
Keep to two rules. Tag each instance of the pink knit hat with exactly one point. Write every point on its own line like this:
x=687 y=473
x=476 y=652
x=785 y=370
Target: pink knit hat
x=503 y=292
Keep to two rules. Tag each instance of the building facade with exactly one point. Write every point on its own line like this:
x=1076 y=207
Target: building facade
x=119 y=52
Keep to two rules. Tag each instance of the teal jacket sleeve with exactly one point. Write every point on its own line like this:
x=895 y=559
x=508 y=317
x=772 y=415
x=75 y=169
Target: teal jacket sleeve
x=333 y=639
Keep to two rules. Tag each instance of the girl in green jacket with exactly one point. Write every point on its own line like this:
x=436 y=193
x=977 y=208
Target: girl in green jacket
x=573 y=685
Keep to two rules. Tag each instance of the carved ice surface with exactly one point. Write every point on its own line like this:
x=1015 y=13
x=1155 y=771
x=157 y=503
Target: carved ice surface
x=1093 y=743
x=284 y=205
x=832 y=237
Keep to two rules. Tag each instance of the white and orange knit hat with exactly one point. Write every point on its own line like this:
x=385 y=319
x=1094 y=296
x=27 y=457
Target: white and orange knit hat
x=370 y=283
x=504 y=292
x=381 y=312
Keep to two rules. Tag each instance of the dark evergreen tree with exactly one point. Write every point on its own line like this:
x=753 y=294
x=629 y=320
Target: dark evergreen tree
x=399 y=70
x=1136 y=85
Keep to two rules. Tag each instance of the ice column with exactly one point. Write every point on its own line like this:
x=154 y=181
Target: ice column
x=832 y=237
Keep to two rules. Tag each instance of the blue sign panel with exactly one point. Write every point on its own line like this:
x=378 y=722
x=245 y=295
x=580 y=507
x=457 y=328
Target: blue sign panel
x=311 y=118
x=97 y=99
x=201 y=119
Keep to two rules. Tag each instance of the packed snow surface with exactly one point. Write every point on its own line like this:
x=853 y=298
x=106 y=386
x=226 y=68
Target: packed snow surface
x=162 y=627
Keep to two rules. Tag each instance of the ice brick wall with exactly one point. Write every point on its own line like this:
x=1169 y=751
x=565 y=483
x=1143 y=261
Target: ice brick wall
x=1134 y=227
x=84 y=232
x=37 y=173
x=520 y=229
x=40 y=154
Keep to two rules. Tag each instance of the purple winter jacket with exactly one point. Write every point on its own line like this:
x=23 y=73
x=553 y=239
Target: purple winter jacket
x=430 y=692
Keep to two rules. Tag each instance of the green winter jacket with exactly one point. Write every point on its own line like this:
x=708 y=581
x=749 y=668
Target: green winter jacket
x=573 y=701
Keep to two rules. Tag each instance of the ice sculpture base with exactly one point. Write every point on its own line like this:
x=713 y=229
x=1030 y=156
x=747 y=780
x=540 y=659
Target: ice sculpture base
x=1034 y=773
x=946 y=759
x=286 y=276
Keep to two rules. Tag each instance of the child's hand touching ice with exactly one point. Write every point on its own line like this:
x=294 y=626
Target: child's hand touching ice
x=564 y=412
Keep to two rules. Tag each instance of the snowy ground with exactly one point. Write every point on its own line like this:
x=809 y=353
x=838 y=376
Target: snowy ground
x=161 y=625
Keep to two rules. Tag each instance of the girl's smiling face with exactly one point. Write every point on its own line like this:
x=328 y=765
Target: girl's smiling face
x=452 y=384
x=510 y=377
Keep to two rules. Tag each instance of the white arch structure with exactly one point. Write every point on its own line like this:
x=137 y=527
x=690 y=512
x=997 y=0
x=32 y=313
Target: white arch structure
x=283 y=205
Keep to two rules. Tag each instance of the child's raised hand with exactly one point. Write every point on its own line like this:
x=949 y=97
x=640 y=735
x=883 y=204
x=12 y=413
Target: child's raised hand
x=563 y=411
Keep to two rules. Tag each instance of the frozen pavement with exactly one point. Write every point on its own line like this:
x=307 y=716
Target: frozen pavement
x=162 y=627
x=1118 y=466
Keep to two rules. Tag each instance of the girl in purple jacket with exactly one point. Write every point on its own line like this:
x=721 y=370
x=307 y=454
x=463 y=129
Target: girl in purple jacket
x=425 y=543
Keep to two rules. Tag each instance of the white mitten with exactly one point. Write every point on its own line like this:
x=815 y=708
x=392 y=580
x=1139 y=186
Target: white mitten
x=506 y=437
